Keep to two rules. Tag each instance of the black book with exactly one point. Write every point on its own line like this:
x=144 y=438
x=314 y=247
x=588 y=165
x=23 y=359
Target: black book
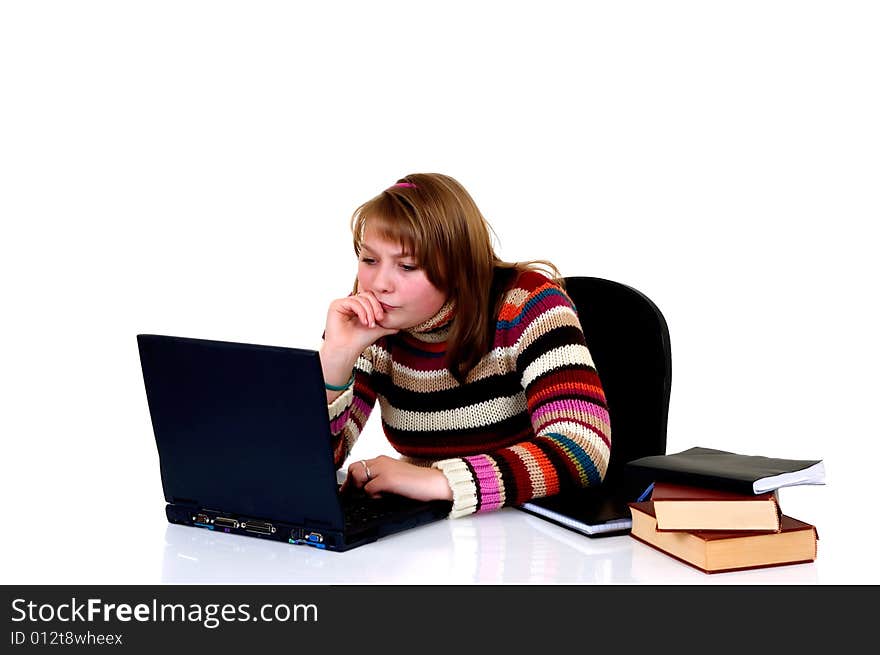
x=718 y=469
x=593 y=511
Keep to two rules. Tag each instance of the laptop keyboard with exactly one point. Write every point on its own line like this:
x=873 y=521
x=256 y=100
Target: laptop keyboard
x=361 y=510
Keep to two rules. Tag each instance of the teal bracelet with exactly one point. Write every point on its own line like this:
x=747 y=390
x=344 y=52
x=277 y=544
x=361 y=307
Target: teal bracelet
x=333 y=387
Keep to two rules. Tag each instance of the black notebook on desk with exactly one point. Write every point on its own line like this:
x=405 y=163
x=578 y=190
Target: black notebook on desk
x=719 y=469
x=594 y=511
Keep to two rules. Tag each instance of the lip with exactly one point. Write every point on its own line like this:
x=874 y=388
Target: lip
x=388 y=308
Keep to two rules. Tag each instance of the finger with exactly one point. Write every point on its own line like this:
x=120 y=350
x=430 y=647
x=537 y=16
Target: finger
x=349 y=477
x=374 y=487
x=368 y=308
x=357 y=474
x=374 y=302
x=346 y=483
x=357 y=308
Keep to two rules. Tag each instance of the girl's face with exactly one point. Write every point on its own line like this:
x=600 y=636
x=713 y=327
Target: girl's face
x=398 y=282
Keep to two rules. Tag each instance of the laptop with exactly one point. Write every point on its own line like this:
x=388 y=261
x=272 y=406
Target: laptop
x=244 y=444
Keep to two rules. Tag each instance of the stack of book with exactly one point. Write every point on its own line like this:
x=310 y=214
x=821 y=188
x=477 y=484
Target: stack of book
x=719 y=511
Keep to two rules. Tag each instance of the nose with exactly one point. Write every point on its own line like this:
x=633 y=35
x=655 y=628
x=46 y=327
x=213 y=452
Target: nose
x=383 y=282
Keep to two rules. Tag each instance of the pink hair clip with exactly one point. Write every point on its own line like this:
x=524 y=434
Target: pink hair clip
x=407 y=184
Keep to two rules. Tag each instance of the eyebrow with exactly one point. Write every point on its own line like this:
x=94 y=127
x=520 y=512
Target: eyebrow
x=399 y=255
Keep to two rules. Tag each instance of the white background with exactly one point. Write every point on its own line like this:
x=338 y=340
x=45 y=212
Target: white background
x=190 y=168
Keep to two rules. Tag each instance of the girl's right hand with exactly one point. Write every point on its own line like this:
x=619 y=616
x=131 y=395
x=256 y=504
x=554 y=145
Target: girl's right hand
x=354 y=323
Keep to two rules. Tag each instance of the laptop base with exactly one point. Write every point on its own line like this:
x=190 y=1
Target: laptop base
x=324 y=538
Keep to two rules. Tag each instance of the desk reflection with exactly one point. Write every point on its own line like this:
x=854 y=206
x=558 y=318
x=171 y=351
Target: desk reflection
x=503 y=547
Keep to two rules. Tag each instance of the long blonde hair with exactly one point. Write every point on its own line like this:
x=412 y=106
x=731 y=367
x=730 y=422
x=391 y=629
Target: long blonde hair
x=435 y=219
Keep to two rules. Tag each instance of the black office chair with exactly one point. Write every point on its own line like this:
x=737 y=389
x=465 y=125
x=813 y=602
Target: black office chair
x=629 y=341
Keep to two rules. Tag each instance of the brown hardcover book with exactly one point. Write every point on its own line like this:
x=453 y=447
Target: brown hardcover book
x=685 y=507
x=714 y=552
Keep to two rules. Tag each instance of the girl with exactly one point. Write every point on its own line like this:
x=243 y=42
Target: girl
x=485 y=383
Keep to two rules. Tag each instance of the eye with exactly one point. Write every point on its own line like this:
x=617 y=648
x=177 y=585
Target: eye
x=368 y=260
x=408 y=267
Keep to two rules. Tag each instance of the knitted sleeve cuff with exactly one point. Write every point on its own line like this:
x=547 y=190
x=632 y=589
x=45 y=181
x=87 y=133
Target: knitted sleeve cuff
x=340 y=404
x=464 y=490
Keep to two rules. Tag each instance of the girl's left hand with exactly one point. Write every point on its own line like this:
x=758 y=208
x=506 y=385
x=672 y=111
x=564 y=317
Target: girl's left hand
x=386 y=474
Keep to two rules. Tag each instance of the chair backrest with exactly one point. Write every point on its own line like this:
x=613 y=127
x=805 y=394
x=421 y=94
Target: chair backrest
x=629 y=340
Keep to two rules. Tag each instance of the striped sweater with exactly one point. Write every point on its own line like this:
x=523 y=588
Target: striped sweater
x=530 y=419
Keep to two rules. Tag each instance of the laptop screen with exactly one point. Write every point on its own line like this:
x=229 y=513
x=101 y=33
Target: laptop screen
x=241 y=428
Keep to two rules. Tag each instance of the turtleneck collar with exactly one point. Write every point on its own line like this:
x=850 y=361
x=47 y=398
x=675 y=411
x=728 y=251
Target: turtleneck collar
x=435 y=328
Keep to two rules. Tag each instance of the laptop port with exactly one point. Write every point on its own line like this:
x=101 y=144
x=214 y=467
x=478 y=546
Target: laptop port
x=296 y=533
x=223 y=522
x=259 y=527
x=201 y=518
x=315 y=537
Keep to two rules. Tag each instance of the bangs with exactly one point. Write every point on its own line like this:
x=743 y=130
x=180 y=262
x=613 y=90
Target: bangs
x=390 y=219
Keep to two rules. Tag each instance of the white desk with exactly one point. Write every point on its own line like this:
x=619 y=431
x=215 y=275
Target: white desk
x=123 y=538
x=504 y=547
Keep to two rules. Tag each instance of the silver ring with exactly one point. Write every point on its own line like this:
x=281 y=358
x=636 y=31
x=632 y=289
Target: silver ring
x=367 y=471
